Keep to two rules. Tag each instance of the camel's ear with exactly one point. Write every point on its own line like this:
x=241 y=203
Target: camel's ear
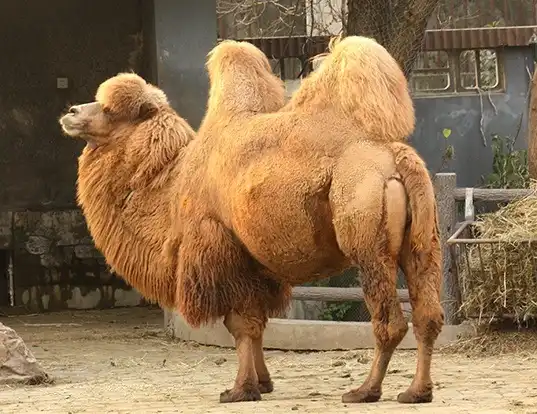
x=148 y=109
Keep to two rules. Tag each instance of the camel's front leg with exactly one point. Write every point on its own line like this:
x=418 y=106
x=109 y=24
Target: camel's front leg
x=247 y=331
x=263 y=375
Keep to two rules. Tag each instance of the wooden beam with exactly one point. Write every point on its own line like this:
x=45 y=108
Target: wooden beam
x=337 y=294
x=492 y=194
x=445 y=185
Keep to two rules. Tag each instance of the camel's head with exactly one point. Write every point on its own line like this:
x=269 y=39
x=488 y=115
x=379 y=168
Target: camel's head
x=242 y=80
x=121 y=101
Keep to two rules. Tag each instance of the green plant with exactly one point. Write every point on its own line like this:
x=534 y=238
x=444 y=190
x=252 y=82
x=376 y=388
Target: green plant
x=509 y=165
x=336 y=311
x=342 y=311
x=449 y=150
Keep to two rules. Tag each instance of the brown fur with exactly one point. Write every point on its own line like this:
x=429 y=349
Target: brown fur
x=361 y=81
x=419 y=188
x=250 y=91
x=124 y=190
x=123 y=182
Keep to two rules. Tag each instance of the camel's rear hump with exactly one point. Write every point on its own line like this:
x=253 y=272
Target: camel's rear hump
x=363 y=83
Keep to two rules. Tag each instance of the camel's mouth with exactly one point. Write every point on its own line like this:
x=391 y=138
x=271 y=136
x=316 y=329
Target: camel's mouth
x=72 y=127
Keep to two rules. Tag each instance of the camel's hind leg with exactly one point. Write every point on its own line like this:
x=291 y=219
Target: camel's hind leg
x=389 y=327
x=369 y=224
x=423 y=276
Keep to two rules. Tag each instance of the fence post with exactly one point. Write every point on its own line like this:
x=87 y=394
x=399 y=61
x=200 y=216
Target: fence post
x=444 y=185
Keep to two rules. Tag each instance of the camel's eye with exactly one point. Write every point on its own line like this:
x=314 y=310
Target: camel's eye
x=106 y=110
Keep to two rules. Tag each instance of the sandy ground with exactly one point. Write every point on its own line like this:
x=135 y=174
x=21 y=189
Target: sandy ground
x=120 y=362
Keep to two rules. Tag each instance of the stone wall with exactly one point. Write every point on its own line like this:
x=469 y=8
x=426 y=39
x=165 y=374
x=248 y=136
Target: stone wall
x=56 y=265
x=43 y=237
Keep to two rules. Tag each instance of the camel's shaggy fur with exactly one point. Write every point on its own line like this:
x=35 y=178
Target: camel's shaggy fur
x=136 y=144
x=251 y=91
x=268 y=196
x=362 y=82
x=135 y=141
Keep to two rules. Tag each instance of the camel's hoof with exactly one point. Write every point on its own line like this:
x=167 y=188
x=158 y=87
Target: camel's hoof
x=361 y=396
x=266 y=387
x=415 y=397
x=237 y=395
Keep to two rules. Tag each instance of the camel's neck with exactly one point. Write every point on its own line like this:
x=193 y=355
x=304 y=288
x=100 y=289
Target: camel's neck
x=128 y=225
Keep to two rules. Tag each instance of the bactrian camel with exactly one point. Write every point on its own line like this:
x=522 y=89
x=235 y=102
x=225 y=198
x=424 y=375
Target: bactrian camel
x=268 y=195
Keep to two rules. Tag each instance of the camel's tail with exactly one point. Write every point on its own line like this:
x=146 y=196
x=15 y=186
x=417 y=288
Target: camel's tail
x=420 y=191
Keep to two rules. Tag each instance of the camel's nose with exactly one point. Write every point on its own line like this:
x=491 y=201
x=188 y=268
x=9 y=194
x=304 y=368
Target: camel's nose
x=74 y=109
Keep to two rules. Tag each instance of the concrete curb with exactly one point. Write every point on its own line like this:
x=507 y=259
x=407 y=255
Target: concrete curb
x=295 y=334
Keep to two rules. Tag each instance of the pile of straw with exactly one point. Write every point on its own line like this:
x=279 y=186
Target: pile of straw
x=499 y=280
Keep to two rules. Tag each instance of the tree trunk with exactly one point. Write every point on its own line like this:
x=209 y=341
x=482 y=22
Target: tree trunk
x=532 y=128
x=398 y=25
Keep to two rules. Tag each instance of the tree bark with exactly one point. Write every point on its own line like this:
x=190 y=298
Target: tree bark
x=398 y=25
x=532 y=128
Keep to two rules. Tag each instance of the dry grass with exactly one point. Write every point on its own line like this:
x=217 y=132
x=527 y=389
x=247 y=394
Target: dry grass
x=499 y=279
x=496 y=339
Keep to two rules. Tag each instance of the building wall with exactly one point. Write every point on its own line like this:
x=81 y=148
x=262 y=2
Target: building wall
x=85 y=42
x=473 y=119
x=41 y=231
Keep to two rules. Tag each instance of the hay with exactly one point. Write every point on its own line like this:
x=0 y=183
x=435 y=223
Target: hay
x=494 y=340
x=499 y=280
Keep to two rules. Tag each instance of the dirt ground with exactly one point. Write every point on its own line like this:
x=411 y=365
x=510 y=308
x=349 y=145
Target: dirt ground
x=120 y=362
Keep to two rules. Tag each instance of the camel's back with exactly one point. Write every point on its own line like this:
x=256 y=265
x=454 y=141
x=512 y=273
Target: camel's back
x=303 y=141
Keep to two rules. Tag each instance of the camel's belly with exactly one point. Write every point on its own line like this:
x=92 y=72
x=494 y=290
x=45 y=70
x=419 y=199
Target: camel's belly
x=286 y=224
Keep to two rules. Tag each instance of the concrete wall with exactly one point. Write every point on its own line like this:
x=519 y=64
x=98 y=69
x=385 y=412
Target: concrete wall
x=56 y=265
x=85 y=42
x=185 y=31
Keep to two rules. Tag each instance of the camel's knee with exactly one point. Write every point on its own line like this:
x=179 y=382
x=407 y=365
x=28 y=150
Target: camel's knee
x=389 y=324
x=245 y=325
x=427 y=321
x=390 y=333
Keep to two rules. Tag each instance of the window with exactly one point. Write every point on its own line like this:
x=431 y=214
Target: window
x=478 y=69
x=432 y=72
x=470 y=71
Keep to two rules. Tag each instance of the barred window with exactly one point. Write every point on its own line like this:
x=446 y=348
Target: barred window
x=466 y=71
